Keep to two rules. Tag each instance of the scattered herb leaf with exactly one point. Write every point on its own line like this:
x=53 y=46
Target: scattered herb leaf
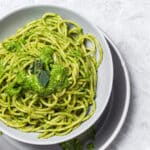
x=91 y=133
x=65 y=146
x=76 y=143
x=90 y=146
x=1 y=133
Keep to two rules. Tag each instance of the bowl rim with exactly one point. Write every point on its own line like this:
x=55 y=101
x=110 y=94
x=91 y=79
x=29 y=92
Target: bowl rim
x=46 y=142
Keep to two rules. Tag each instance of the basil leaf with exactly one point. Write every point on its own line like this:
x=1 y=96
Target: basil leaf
x=43 y=78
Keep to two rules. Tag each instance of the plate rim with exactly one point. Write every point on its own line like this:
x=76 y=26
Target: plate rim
x=120 y=123
x=125 y=111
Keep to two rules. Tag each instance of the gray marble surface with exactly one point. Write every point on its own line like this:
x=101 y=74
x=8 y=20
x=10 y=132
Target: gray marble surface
x=127 y=23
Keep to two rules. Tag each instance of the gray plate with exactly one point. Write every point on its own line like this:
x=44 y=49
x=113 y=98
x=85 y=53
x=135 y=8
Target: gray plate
x=111 y=122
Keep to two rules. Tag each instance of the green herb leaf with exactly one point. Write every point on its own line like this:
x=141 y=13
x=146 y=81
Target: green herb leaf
x=90 y=146
x=43 y=78
x=1 y=133
x=41 y=73
x=74 y=144
x=36 y=67
x=91 y=133
x=65 y=146
x=77 y=144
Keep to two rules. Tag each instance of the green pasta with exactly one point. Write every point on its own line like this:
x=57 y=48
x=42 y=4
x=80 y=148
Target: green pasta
x=48 y=76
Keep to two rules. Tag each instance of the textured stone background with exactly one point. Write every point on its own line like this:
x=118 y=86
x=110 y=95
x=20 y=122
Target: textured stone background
x=127 y=23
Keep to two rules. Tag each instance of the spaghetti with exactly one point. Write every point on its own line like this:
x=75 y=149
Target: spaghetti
x=48 y=75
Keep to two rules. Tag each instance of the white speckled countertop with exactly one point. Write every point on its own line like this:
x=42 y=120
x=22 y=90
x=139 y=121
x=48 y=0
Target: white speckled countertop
x=127 y=23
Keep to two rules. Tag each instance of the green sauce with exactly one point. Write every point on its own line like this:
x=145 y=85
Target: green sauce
x=48 y=77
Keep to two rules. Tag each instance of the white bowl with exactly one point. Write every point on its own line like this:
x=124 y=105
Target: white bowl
x=8 y=26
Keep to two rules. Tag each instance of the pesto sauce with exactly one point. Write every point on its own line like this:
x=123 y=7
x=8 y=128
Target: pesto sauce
x=13 y=46
x=45 y=77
